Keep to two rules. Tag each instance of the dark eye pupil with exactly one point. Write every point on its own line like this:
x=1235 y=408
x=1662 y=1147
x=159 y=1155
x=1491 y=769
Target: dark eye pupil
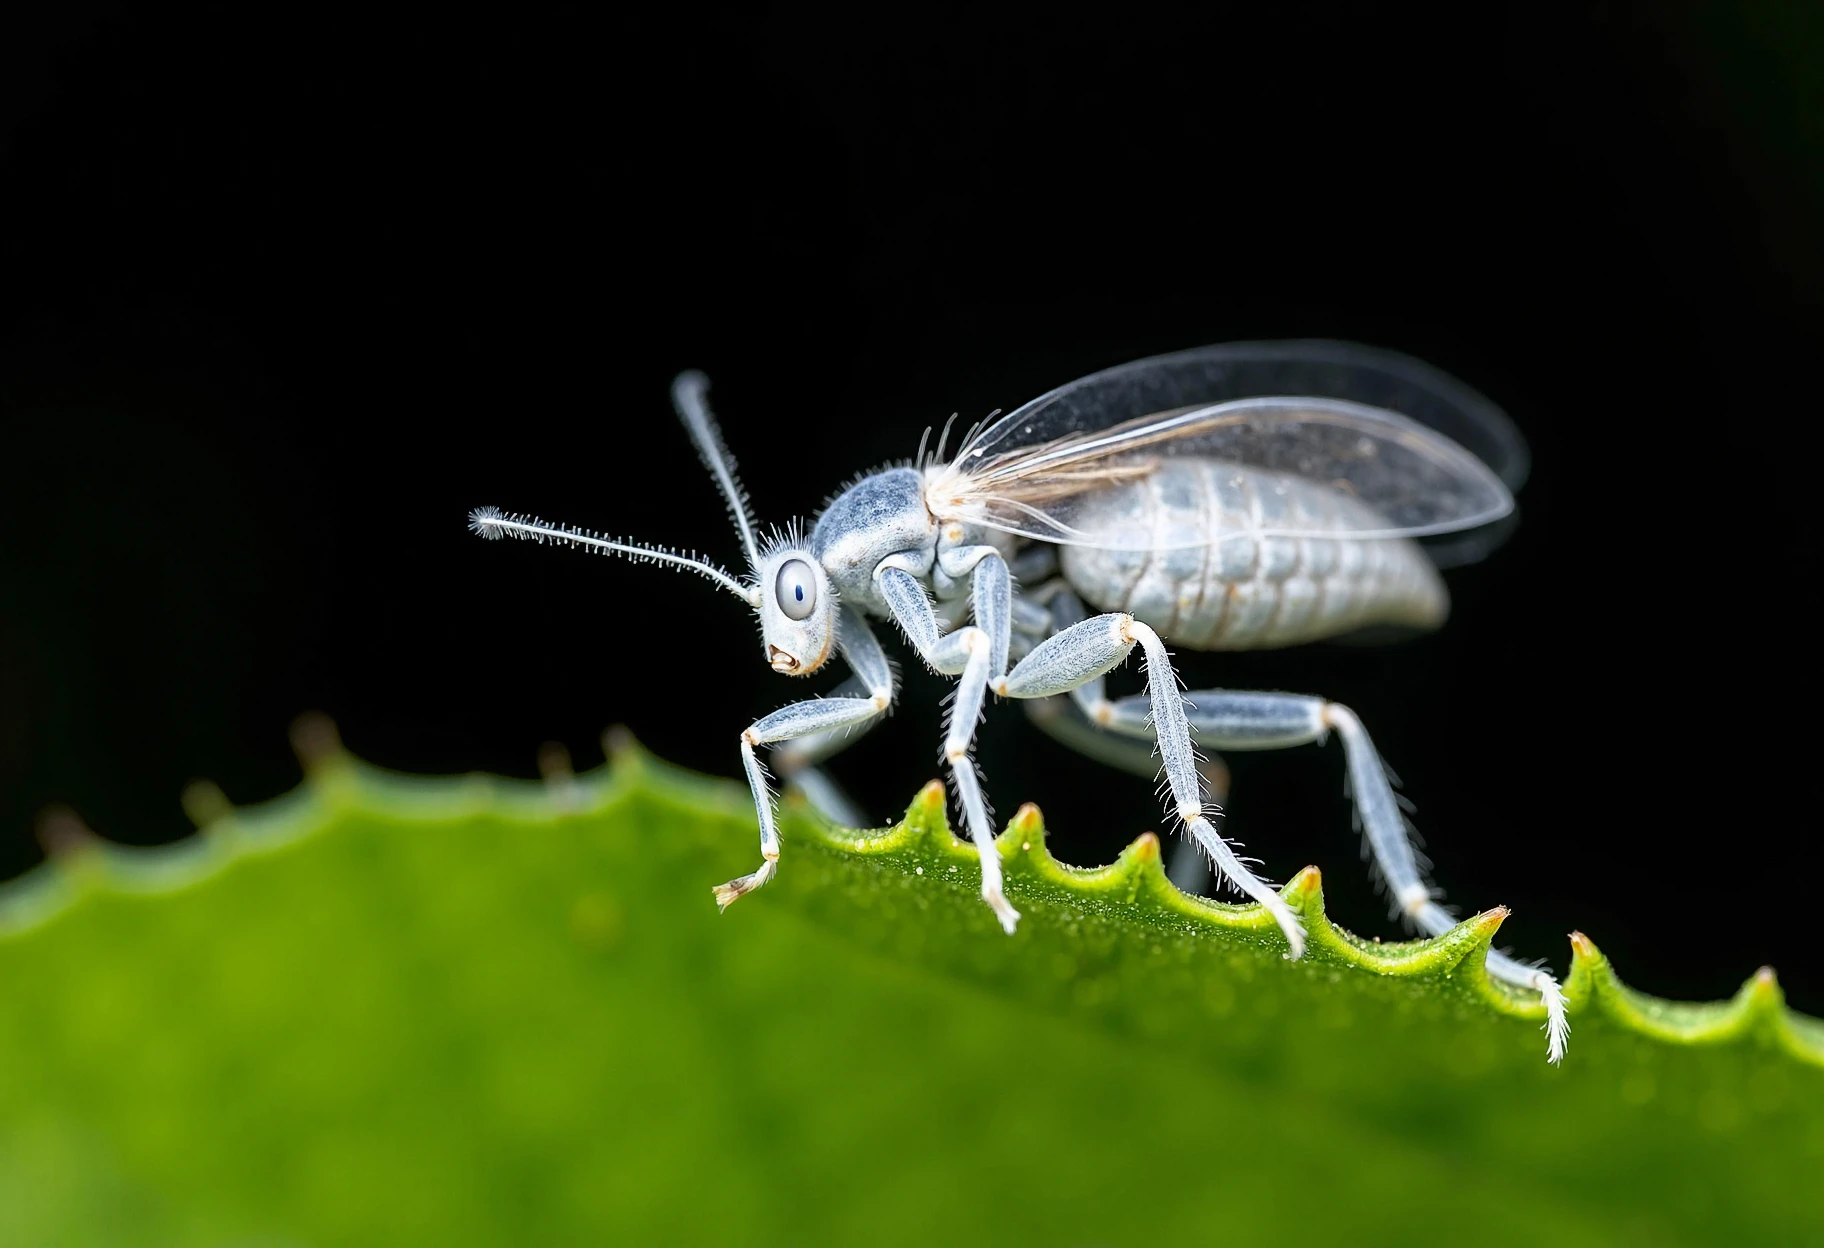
x=795 y=591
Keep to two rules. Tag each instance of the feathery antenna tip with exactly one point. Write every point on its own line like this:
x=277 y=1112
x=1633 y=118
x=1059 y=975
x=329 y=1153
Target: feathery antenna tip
x=484 y=522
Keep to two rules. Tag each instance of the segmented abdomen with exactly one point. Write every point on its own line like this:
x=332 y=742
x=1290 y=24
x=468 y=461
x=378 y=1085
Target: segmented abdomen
x=1241 y=590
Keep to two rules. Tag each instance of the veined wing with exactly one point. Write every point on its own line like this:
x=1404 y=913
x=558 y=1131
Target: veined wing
x=1407 y=480
x=1028 y=472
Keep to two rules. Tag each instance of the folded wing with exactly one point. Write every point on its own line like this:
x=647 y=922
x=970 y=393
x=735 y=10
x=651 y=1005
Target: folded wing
x=1029 y=472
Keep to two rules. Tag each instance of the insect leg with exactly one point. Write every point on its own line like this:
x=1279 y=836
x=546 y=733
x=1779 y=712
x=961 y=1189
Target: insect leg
x=1065 y=723
x=1029 y=618
x=1072 y=726
x=1031 y=622
x=811 y=718
x=1067 y=610
x=1394 y=854
x=978 y=653
x=1082 y=654
x=796 y=763
x=1233 y=720
x=1035 y=563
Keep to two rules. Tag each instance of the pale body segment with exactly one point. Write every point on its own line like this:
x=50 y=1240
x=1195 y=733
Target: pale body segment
x=1183 y=504
x=1245 y=590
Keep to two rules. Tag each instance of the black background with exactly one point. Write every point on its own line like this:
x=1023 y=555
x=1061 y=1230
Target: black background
x=284 y=297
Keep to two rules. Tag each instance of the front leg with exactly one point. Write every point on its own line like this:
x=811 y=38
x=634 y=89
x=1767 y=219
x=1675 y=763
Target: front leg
x=799 y=764
x=978 y=653
x=803 y=719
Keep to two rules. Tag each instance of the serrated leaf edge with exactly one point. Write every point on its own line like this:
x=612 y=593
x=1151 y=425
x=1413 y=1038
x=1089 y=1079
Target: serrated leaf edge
x=338 y=784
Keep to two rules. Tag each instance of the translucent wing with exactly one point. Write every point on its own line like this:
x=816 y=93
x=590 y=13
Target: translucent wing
x=1367 y=424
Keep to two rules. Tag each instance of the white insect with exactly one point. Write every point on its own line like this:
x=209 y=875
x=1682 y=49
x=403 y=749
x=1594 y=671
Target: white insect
x=1232 y=497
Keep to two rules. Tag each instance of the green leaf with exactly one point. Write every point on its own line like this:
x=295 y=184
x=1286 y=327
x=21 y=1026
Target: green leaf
x=386 y=1010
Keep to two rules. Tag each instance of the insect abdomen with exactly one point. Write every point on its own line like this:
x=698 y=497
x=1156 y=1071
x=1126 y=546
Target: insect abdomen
x=1242 y=590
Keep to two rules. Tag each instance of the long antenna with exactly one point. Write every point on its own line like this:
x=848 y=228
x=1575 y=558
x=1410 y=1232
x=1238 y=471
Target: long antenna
x=688 y=393
x=493 y=523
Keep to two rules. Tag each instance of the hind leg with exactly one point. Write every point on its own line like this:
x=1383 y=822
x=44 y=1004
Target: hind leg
x=1234 y=720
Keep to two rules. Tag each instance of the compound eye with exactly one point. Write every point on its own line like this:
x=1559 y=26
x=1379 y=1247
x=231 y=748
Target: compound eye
x=796 y=589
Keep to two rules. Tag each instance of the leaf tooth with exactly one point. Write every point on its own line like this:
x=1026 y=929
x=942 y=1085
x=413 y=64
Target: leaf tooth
x=1305 y=892
x=205 y=803
x=1763 y=1000
x=1762 y=1003
x=1143 y=852
x=75 y=862
x=66 y=840
x=624 y=759
x=1141 y=869
x=1463 y=946
x=618 y=742
x=555 y=764
x=559 y=772
x=928 y=813
x=1025 y=832
x=1485 y=924
x=316 y=742
x=1590 y=970
x=1478 y=930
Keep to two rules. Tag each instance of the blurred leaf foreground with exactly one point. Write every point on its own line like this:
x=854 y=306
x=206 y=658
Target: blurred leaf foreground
x=392 y=1011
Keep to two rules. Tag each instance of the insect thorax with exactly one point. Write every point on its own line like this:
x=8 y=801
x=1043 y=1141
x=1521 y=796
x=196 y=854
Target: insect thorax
x=882 y=514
